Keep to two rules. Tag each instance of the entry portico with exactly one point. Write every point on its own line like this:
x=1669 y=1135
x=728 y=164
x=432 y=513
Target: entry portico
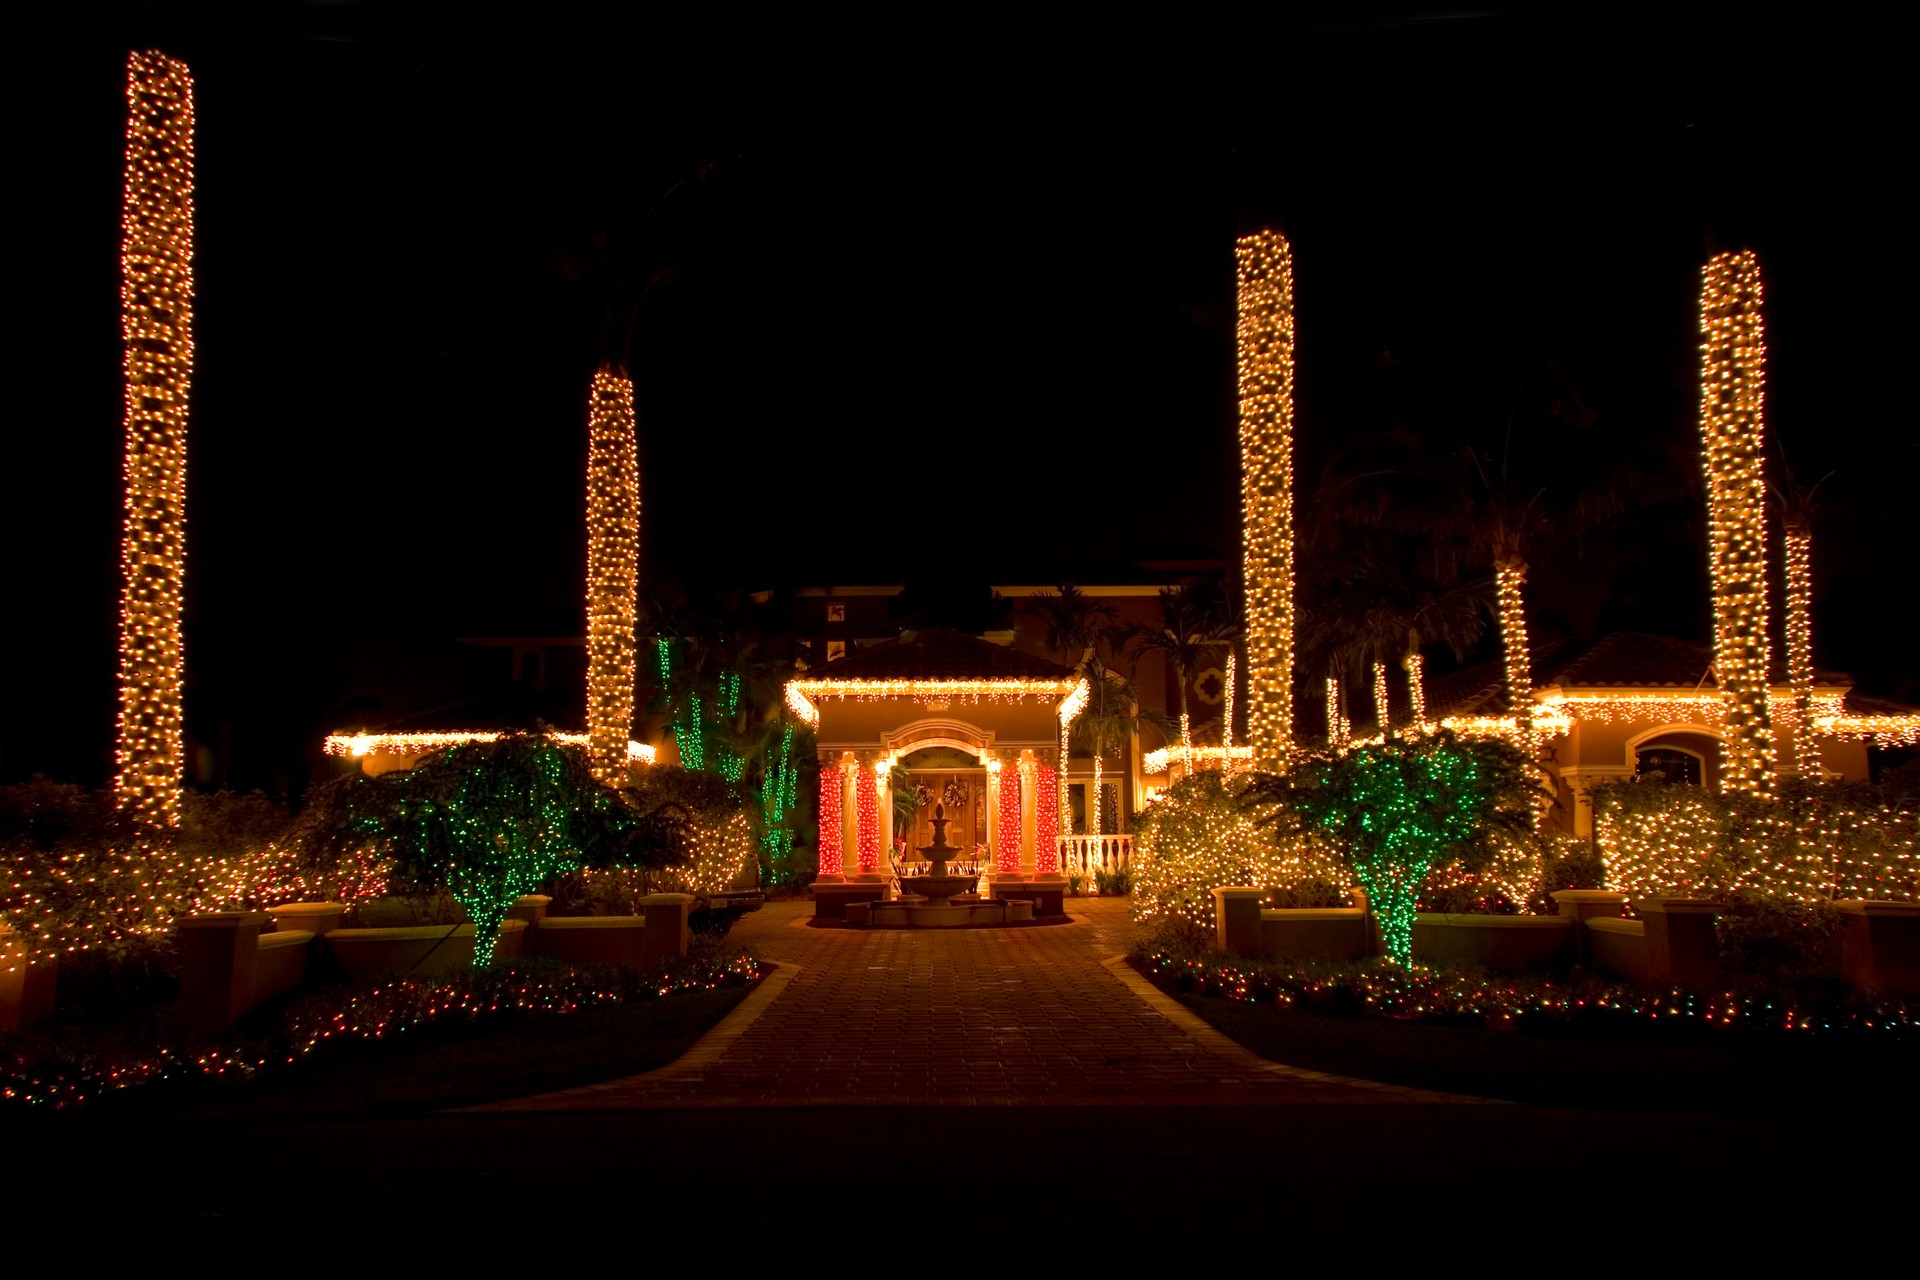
x=979 y=727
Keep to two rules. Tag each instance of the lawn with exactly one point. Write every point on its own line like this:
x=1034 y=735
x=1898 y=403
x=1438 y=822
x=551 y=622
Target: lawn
x=1608 y=1061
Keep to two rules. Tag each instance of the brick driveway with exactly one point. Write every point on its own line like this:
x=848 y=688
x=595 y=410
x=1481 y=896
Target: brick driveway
x=982 y=1017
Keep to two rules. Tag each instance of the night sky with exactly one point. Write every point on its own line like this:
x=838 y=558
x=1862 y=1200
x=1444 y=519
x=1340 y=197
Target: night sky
x=908 y=283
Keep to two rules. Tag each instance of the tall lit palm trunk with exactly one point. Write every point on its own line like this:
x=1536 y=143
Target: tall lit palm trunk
x=1510 y=575
x=1264 y=353
x=156 y=320
x=1799 y=626
x=613 y=572
x=1732 y=428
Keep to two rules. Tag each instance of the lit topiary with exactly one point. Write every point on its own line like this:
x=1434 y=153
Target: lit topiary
x=1401 y=808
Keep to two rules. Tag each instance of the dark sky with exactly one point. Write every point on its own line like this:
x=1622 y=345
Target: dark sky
x=919 y=278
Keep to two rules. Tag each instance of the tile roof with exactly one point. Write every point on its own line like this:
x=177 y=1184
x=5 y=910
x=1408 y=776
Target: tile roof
x=1622 y=659
x=940 y=654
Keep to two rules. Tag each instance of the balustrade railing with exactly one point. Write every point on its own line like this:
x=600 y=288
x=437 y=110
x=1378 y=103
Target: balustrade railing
x=1084 y=853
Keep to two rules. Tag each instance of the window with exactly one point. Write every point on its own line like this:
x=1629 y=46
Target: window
x=1671 y=763
x=836 y=611
x=836 y=650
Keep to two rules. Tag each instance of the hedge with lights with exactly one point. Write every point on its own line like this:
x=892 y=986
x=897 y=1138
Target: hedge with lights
x=1812 y=841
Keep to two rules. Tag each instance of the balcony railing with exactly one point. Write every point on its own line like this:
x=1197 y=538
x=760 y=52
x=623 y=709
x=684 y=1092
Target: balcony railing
x=1084 y=853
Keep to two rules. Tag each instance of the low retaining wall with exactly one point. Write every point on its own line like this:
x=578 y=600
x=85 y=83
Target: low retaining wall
x=231 y=961
x=1494 y=942
x=1673 y=943
x=1244 y=927
x=1048 y=894
x=830 y=898
x=1880 y=944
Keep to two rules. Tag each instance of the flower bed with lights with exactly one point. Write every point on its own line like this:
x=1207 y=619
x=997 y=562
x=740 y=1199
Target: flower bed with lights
x=66 y=1067
x=1409 y=993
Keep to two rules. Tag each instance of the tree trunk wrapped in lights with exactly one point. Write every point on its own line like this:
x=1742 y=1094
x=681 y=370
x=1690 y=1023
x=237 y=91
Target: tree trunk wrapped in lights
x=613 y=572
x=156 y=320
x=1265 y=358
x=1382 y=709
x=1732 y=389
x=1416 y=686
x=1510 y=574
x=1799 y=620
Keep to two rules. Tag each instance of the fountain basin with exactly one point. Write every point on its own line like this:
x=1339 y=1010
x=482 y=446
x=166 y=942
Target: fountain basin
x=936 y=889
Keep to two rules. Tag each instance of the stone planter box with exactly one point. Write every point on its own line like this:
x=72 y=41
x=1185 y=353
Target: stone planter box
x=1619 y=947
x=26 y=986
x=317 y=918
x=281 y=964
x=1047 y=896
x=414 y=949
x=1495 y=942
x=592 y=939
x=1880 y=944
x=1244 y=927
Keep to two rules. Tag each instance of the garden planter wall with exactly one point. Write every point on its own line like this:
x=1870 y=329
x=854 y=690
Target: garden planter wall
x=280 y=964
x=1244 y=927
x=512 y=942
x=592 y=939
x=1880 y=944
x=1494 y=942
x=26 y=986
x=830 y=899
x=1619 y=947
x=1672 y=944
x=415 y=949
x=317 y=918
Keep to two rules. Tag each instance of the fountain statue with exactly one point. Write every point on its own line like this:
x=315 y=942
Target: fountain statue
x=937 y=886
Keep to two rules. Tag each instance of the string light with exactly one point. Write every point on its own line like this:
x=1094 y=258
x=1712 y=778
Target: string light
x=1396 y=991
x=1416 y=686
x=1799 y=627
x=832 y=835
x=1264 y=354
x=1884 y=731
x=386 y=1011
x=613 y=572
x=1732 y=396
x=419 y=744
x=1204 y=757
x=156 y=324
x=1509 y=576
x=866 y=783
x=1813 y=843
x=1336 y=723
x=1070 y=693
x=1226 y=712
x=1382 y=714
x=1006 y=832
x=1046 y=826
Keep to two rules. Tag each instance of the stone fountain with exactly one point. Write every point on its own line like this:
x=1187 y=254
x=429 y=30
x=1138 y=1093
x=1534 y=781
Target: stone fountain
x=937 y=886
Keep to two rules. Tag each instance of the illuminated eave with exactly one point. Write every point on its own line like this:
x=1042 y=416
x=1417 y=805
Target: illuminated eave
x=418 y=744
x=802 y=694
x=1163 y=758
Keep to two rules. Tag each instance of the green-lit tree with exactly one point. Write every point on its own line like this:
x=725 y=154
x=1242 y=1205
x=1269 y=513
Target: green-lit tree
x=1403 y=807
x=489 y=821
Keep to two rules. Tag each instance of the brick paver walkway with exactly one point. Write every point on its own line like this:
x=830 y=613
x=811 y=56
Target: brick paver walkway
x=985 y=1017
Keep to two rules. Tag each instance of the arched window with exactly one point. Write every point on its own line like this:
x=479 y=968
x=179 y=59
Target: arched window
x=1671 y=763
